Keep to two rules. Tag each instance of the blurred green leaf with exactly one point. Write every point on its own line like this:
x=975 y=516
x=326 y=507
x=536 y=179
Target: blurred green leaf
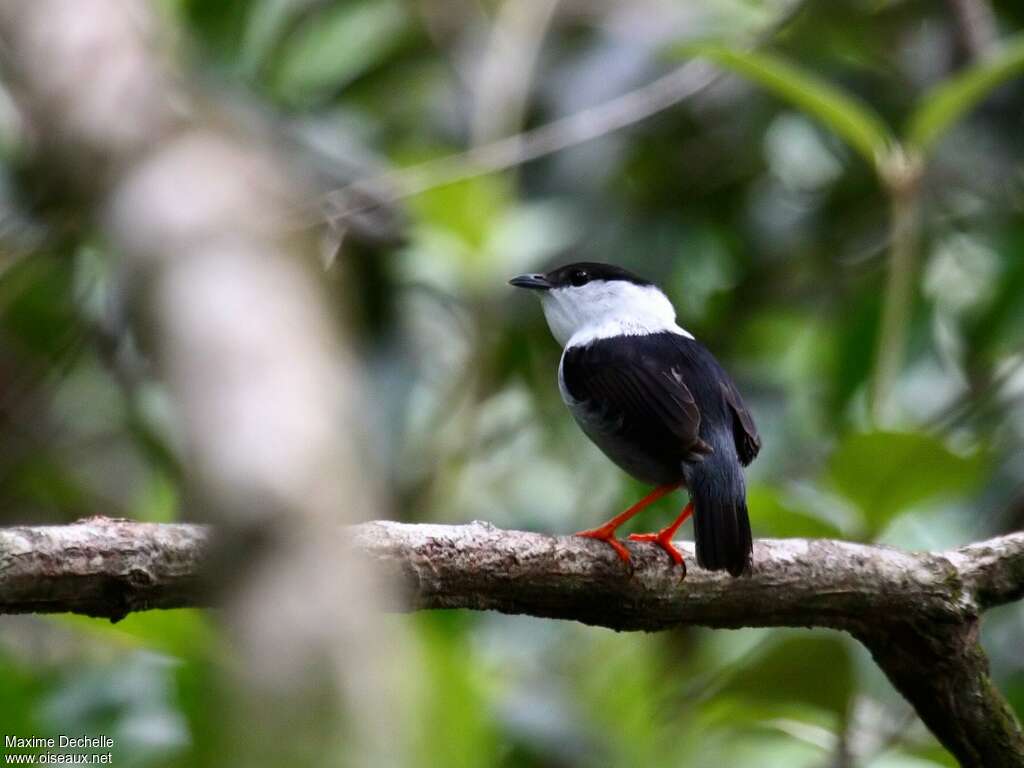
x=23 y=688
x=336 y=46
x=848 y=117
x=886 y=473
x=129 y=697
x=953 y=98
x=453 y=726
x=792 y=671
x=41 y=480
x=204 y=702
x=184 y=633
x=997 y=330
x=467 y=209
x=453 y=226
x=623 y=688
x=854 y=349
x=760 y=746
x=220 y=25
x=773 y=515
x=1015 y=692
x=933 y=756
x=37 y=310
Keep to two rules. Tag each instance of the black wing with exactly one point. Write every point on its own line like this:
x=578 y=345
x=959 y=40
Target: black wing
x=748 y=442
x=717 y=397
x=627 y=381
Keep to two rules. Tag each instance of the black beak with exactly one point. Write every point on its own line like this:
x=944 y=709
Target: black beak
x=534 y=282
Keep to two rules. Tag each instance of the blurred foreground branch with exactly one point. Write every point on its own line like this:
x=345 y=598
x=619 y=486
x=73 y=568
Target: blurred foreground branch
x=918 y=613
x=192 y=204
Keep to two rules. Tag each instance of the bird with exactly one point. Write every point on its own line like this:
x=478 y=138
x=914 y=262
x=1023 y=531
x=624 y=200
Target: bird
x=656 y=402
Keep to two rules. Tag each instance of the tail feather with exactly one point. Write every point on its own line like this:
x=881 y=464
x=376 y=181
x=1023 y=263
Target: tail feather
x=721 y=523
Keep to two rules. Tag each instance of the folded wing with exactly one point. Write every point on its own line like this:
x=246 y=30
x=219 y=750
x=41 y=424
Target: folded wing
x=627 y=384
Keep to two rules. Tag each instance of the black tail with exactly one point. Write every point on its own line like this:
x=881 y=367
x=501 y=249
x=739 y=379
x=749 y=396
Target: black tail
x=720 y=519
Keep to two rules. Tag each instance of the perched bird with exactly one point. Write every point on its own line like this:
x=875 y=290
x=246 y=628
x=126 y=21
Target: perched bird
x=656 y=402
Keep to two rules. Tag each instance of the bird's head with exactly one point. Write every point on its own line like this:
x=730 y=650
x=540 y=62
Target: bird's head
x=587 y=301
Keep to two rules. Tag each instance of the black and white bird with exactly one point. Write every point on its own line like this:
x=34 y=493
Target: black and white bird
x=656 y=402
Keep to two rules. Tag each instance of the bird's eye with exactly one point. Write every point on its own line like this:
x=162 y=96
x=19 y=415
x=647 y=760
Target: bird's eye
x=579 y=277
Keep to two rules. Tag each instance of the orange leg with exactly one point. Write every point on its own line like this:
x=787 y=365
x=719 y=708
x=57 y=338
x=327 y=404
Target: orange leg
x=663 y=538
x=606 y=532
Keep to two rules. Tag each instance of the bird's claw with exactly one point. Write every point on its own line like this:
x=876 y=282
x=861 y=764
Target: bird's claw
x=663 y=539
x=608 y=536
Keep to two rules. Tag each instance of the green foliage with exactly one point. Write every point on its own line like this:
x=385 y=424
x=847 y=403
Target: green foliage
x=771 y=241
x=23 y=686
x=42 y=481
x=220 y=25
x=778 y=517
x=996 y=329
x=952 y=99
x=855 y=121
x=466 y=210
x=846 y=116
x=37 y=309
x=453 y=725
x=321 y=55
x=786 y=678
x=183 y=633
x=887 y=473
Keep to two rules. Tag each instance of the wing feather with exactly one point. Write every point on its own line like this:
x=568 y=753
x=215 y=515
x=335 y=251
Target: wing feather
x=633 y=388
x=748 y=441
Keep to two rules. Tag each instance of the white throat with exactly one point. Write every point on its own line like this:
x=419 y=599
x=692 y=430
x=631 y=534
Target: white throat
x=578 y=315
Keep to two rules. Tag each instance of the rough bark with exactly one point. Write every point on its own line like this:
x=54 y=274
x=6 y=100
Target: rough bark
x=942 y=671
x=102 y=567
x=918 y=613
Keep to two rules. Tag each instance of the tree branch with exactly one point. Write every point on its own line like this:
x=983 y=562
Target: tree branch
x=102 y=567
x=796 y=582
x=108 y=567
x=916 y=612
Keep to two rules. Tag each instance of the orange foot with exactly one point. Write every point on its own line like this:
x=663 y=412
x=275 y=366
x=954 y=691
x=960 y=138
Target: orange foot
x=606 y=532
x=663 y=538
